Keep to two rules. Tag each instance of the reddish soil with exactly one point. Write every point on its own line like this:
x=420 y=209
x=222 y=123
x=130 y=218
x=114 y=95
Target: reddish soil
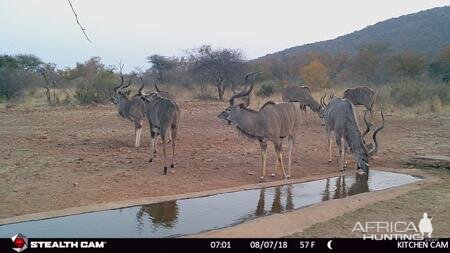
x=54 y=158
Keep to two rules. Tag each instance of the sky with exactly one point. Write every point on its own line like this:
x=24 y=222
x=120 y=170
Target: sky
x=129 y=31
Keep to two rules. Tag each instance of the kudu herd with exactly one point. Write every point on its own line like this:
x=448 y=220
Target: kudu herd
x=273 y=122
x=160 y=109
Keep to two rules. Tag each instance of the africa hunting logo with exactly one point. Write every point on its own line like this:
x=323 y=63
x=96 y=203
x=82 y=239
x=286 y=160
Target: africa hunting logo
x=399 y=230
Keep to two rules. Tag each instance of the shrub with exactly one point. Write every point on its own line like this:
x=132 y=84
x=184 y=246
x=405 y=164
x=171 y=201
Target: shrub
x=268 y=88
x=409 y=94
x=205 y=96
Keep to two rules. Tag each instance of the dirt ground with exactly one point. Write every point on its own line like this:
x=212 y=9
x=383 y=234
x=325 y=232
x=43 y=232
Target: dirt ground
x=54 y=158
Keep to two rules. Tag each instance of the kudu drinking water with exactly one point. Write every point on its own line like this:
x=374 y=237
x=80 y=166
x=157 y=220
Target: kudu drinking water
x=340 y=118
x=273 y=122
x=130 y=108
x=361 y=96
x=301 y=94
x=163 y=115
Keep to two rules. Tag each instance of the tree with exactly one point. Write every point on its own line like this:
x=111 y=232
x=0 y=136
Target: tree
x=94 y=82
x=408 y=64
x=440 y=68
x=368 y=63
x=15 y=71
x=219 y=66
x=161 y=65
x=48 y=72
x=315 y=75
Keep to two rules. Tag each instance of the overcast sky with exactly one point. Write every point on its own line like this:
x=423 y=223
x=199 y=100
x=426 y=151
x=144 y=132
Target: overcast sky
x=133 y=29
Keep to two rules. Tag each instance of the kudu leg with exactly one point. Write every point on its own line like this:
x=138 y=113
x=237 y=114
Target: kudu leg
x=174 y=136
x=345 y=153
x=291 y=144
x=280 y=158
x=164 y=153
x=341 y=153
x=137 y=134
x=263 y=146
x=329 y=148
x=154 y=136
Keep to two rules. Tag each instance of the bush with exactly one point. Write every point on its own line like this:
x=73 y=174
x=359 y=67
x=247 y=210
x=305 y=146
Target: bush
x=268 y=88
x=205 y=97
x=409 y=94
x=98 y=91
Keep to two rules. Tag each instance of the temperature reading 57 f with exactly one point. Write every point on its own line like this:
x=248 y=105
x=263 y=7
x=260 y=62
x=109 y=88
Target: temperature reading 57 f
x=307 y=244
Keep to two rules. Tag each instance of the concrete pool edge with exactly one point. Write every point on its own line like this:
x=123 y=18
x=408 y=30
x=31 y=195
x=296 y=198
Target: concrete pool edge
x=288 y=223
x=150 y=200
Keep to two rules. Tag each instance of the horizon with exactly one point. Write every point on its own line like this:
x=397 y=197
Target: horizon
x=122 y=39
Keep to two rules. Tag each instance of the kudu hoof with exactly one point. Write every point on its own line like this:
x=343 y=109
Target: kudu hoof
x=154 y=152
x=261 y=179
x=150 y=160
x=273 y=174
x=329 y=161
x=172 y=165
x=165 y=170
x=288 y=177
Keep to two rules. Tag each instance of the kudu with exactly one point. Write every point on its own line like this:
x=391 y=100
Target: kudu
x=130 y=108
x=162 y=114
x=272 y=122
x=361 y=96
x=340 y=118
x=301 y=94
x=164 y=94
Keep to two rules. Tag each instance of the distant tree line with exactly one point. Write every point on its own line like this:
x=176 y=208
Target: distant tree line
x=373 y=64
x=224 y=69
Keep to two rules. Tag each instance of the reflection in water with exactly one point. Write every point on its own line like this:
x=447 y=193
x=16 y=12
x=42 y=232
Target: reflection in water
x=340 y=190
x=361 y=185
x=161 y=214
x=277 y=203
x=190 y=216
x=261 y=203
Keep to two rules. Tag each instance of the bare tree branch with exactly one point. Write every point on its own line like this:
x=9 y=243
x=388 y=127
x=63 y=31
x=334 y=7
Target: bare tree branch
x=76 y=17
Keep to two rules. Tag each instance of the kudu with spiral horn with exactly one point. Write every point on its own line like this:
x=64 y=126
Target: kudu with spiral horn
x=340 y=118
x=132 y=109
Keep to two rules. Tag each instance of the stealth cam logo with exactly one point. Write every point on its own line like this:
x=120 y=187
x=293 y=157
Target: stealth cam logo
x=20 y=242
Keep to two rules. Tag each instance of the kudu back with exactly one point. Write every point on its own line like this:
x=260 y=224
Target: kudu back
x=361 y=96
x=130 y=108
x=301 y=94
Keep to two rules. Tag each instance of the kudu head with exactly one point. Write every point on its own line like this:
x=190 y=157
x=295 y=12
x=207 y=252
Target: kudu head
x=243 y=97
x=119 y=93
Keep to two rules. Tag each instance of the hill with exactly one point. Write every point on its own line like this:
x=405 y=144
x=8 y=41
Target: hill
x=426 y=31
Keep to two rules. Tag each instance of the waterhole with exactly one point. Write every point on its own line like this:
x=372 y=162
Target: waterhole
x=195 y=215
